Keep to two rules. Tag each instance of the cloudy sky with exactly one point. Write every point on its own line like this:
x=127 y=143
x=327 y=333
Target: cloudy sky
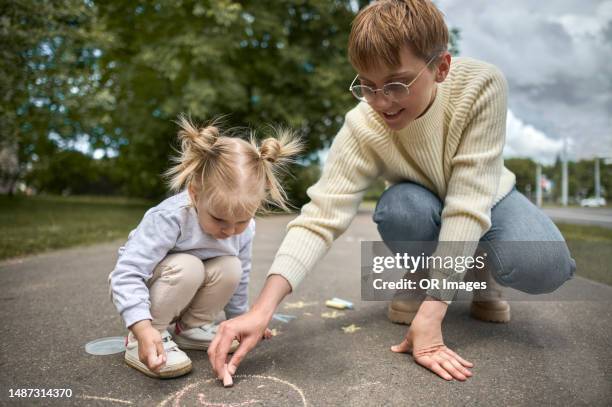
x=557 y=58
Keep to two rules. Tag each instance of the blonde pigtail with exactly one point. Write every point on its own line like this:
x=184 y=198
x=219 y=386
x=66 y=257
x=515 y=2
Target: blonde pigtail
x=197 y=145
x=276 y=153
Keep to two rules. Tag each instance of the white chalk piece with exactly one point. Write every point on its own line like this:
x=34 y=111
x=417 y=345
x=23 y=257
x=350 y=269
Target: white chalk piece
x=227 y=378
x=348 y=304
x=106 y=346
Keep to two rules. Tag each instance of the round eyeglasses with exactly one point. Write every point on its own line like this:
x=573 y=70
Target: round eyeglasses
x=396 y=91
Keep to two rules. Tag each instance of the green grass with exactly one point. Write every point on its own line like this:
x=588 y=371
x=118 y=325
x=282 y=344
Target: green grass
x=591 y=247
x=585 y=232
x=31 y=225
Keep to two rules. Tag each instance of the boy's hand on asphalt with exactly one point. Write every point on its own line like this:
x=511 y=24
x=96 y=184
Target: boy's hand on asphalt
x=150 y=348
x=424 y=340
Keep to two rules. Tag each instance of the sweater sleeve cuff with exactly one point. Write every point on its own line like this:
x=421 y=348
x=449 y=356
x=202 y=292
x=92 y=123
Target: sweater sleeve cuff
x=439 y=279
x=298 y=253
x=289 y=268
x=461 y=228
x=135 y=314
x=466 y=230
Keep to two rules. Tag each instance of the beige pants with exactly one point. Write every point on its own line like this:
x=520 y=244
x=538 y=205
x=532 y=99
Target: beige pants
x=186 y=289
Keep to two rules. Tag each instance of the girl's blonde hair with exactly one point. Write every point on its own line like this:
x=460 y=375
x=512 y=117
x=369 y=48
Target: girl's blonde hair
x=234 y=175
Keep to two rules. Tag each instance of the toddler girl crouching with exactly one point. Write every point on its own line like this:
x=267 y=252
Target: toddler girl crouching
x=190 y=256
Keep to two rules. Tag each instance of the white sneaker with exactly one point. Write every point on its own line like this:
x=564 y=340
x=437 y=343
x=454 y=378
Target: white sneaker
x=177 y=362
x=198 y=338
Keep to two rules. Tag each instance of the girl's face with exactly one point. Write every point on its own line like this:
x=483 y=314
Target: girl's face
x=214 y=222
x=398 y=114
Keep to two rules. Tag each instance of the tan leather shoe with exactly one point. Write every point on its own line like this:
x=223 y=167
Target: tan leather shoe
x=404 y=305
x=488 y=305
x=402 y=311
x=491 y=311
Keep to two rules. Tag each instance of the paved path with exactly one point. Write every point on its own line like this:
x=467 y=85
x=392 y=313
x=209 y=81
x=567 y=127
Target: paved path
x=551 y=353
x=582 y=216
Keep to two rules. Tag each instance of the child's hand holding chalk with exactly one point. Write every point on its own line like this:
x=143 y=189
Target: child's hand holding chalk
x=155 y=357
x=150 y=348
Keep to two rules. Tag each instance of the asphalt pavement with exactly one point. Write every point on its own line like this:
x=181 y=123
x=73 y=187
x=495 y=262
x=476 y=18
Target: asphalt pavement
x=551 y=353
x=582 y=216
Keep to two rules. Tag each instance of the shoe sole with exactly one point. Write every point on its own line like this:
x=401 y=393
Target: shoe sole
x=185 y=343
x=180 y=370
x=482 y=314
x=488 y=315
x=400 y=317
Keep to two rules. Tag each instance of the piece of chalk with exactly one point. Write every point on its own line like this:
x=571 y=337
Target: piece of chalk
x=345 y=302
x=286 y=316
x=227 y=378
x=283 y=317
x=335 y=304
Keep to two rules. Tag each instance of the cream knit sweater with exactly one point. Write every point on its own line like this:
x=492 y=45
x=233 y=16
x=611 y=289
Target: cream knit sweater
x=454 y=150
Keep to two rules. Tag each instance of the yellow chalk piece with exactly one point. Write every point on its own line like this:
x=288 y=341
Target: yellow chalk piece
x=352 y=328
x=335 y=304
x=299 y=304
x=274 y=332
x=333 y=314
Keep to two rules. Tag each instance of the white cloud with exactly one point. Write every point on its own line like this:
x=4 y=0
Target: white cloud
x=524 y=140
x=587 y=25
x=555 y=55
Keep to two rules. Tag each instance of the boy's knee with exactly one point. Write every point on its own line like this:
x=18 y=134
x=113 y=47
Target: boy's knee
x=543 y=274
x=407 y=211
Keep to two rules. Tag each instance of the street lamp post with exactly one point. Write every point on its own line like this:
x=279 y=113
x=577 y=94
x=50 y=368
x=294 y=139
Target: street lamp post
x=597 y=180
x=539 y=185
x=564 y=181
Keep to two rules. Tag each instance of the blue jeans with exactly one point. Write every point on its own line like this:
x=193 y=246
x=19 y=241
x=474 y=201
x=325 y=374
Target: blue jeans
x=410 y=212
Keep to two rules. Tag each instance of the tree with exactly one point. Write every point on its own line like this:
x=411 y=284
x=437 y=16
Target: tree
x=525 y=171
x=256 y=62
x=47 y=68
x=116 y=75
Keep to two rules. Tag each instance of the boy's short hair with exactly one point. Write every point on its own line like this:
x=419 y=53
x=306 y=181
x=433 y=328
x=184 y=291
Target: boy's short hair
x=381 y=29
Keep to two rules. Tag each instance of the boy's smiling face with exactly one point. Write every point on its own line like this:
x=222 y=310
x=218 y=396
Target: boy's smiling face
x=398 y=114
